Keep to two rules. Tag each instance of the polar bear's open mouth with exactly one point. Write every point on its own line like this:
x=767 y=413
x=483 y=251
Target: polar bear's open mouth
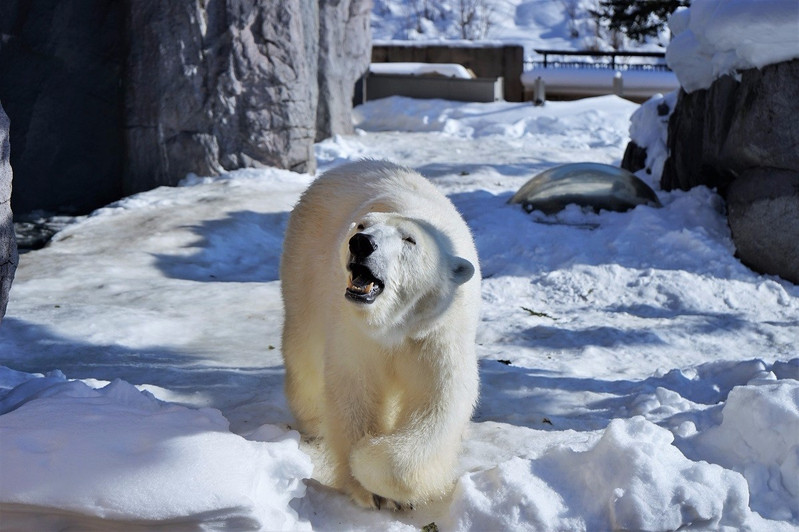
x=363 y=286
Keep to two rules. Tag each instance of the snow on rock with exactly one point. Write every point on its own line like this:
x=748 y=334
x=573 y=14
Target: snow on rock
x=649 y=129
x=717 y=37
x=632 y=479
x=120 y=454
x=759 y=437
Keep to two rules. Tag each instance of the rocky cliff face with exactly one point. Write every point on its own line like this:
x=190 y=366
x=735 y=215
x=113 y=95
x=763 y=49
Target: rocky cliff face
x=741 y=137
x=213 y=86
x=112 y=97
x=8 y=245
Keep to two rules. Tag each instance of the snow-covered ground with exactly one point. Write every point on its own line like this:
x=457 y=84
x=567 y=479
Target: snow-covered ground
x=634 y=374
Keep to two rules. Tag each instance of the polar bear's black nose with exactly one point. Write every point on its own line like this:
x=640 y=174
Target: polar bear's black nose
x=362 y=245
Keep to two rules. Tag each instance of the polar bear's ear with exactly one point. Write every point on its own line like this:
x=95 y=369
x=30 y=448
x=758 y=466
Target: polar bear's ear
x=462 y=270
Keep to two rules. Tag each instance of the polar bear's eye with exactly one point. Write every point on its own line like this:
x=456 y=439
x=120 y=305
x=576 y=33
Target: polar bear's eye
x=361 y=227
x=410 y=240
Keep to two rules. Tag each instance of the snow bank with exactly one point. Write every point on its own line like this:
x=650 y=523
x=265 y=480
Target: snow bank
x=119 y=454
x=566 y=25
x=717 y=37
x=759 y=437
x=632 y=479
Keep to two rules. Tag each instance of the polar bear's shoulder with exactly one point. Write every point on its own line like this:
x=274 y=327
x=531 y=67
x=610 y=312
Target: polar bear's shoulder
x=370 y=177
x=382 y=186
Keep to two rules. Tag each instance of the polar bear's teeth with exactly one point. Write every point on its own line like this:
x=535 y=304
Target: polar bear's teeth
x=363 y=289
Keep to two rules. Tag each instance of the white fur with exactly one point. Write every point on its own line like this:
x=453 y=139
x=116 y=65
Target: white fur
x=389 y=386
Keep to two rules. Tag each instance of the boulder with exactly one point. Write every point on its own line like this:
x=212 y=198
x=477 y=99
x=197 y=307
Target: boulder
x=763 y=213
x=649 y=135
x=740 y=137
x=716 y=134
x=8 y=245
x=634 y=157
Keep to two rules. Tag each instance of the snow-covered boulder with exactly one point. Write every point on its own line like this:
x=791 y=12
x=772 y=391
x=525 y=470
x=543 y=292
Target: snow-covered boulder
x=649 y=135
x=735 y=121
x=738 y=131
x=713 y=38
x=8 y=245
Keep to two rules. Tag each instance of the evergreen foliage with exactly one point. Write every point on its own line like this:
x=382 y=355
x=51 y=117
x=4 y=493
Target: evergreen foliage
x=637 y=20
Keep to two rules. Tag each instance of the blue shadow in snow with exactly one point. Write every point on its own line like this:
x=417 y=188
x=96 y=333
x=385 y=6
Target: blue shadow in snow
x=244 y=246
x=547 y=401
x=34 y=348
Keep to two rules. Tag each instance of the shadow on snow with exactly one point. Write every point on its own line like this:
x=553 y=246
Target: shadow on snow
x=244 y=246
x=248 y=396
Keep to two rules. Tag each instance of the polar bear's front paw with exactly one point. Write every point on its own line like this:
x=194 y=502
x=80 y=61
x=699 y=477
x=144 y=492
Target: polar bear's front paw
x=381 y=502
x=372 y=501
x=376 y=467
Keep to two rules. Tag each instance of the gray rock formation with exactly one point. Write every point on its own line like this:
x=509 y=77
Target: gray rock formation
x=8 y=245
x=634 y=157
x=716 y=134
x=214 y=86
x=344 y=35
x=112 y=97
x=763 y=213
x=741 y=137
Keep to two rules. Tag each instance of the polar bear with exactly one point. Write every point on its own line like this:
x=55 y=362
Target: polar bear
x=381 y=291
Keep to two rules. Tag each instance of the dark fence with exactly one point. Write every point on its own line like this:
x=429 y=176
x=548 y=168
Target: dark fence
x=656 y=60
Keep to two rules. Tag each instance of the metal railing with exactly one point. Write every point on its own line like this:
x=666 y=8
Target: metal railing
x=611 y=63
